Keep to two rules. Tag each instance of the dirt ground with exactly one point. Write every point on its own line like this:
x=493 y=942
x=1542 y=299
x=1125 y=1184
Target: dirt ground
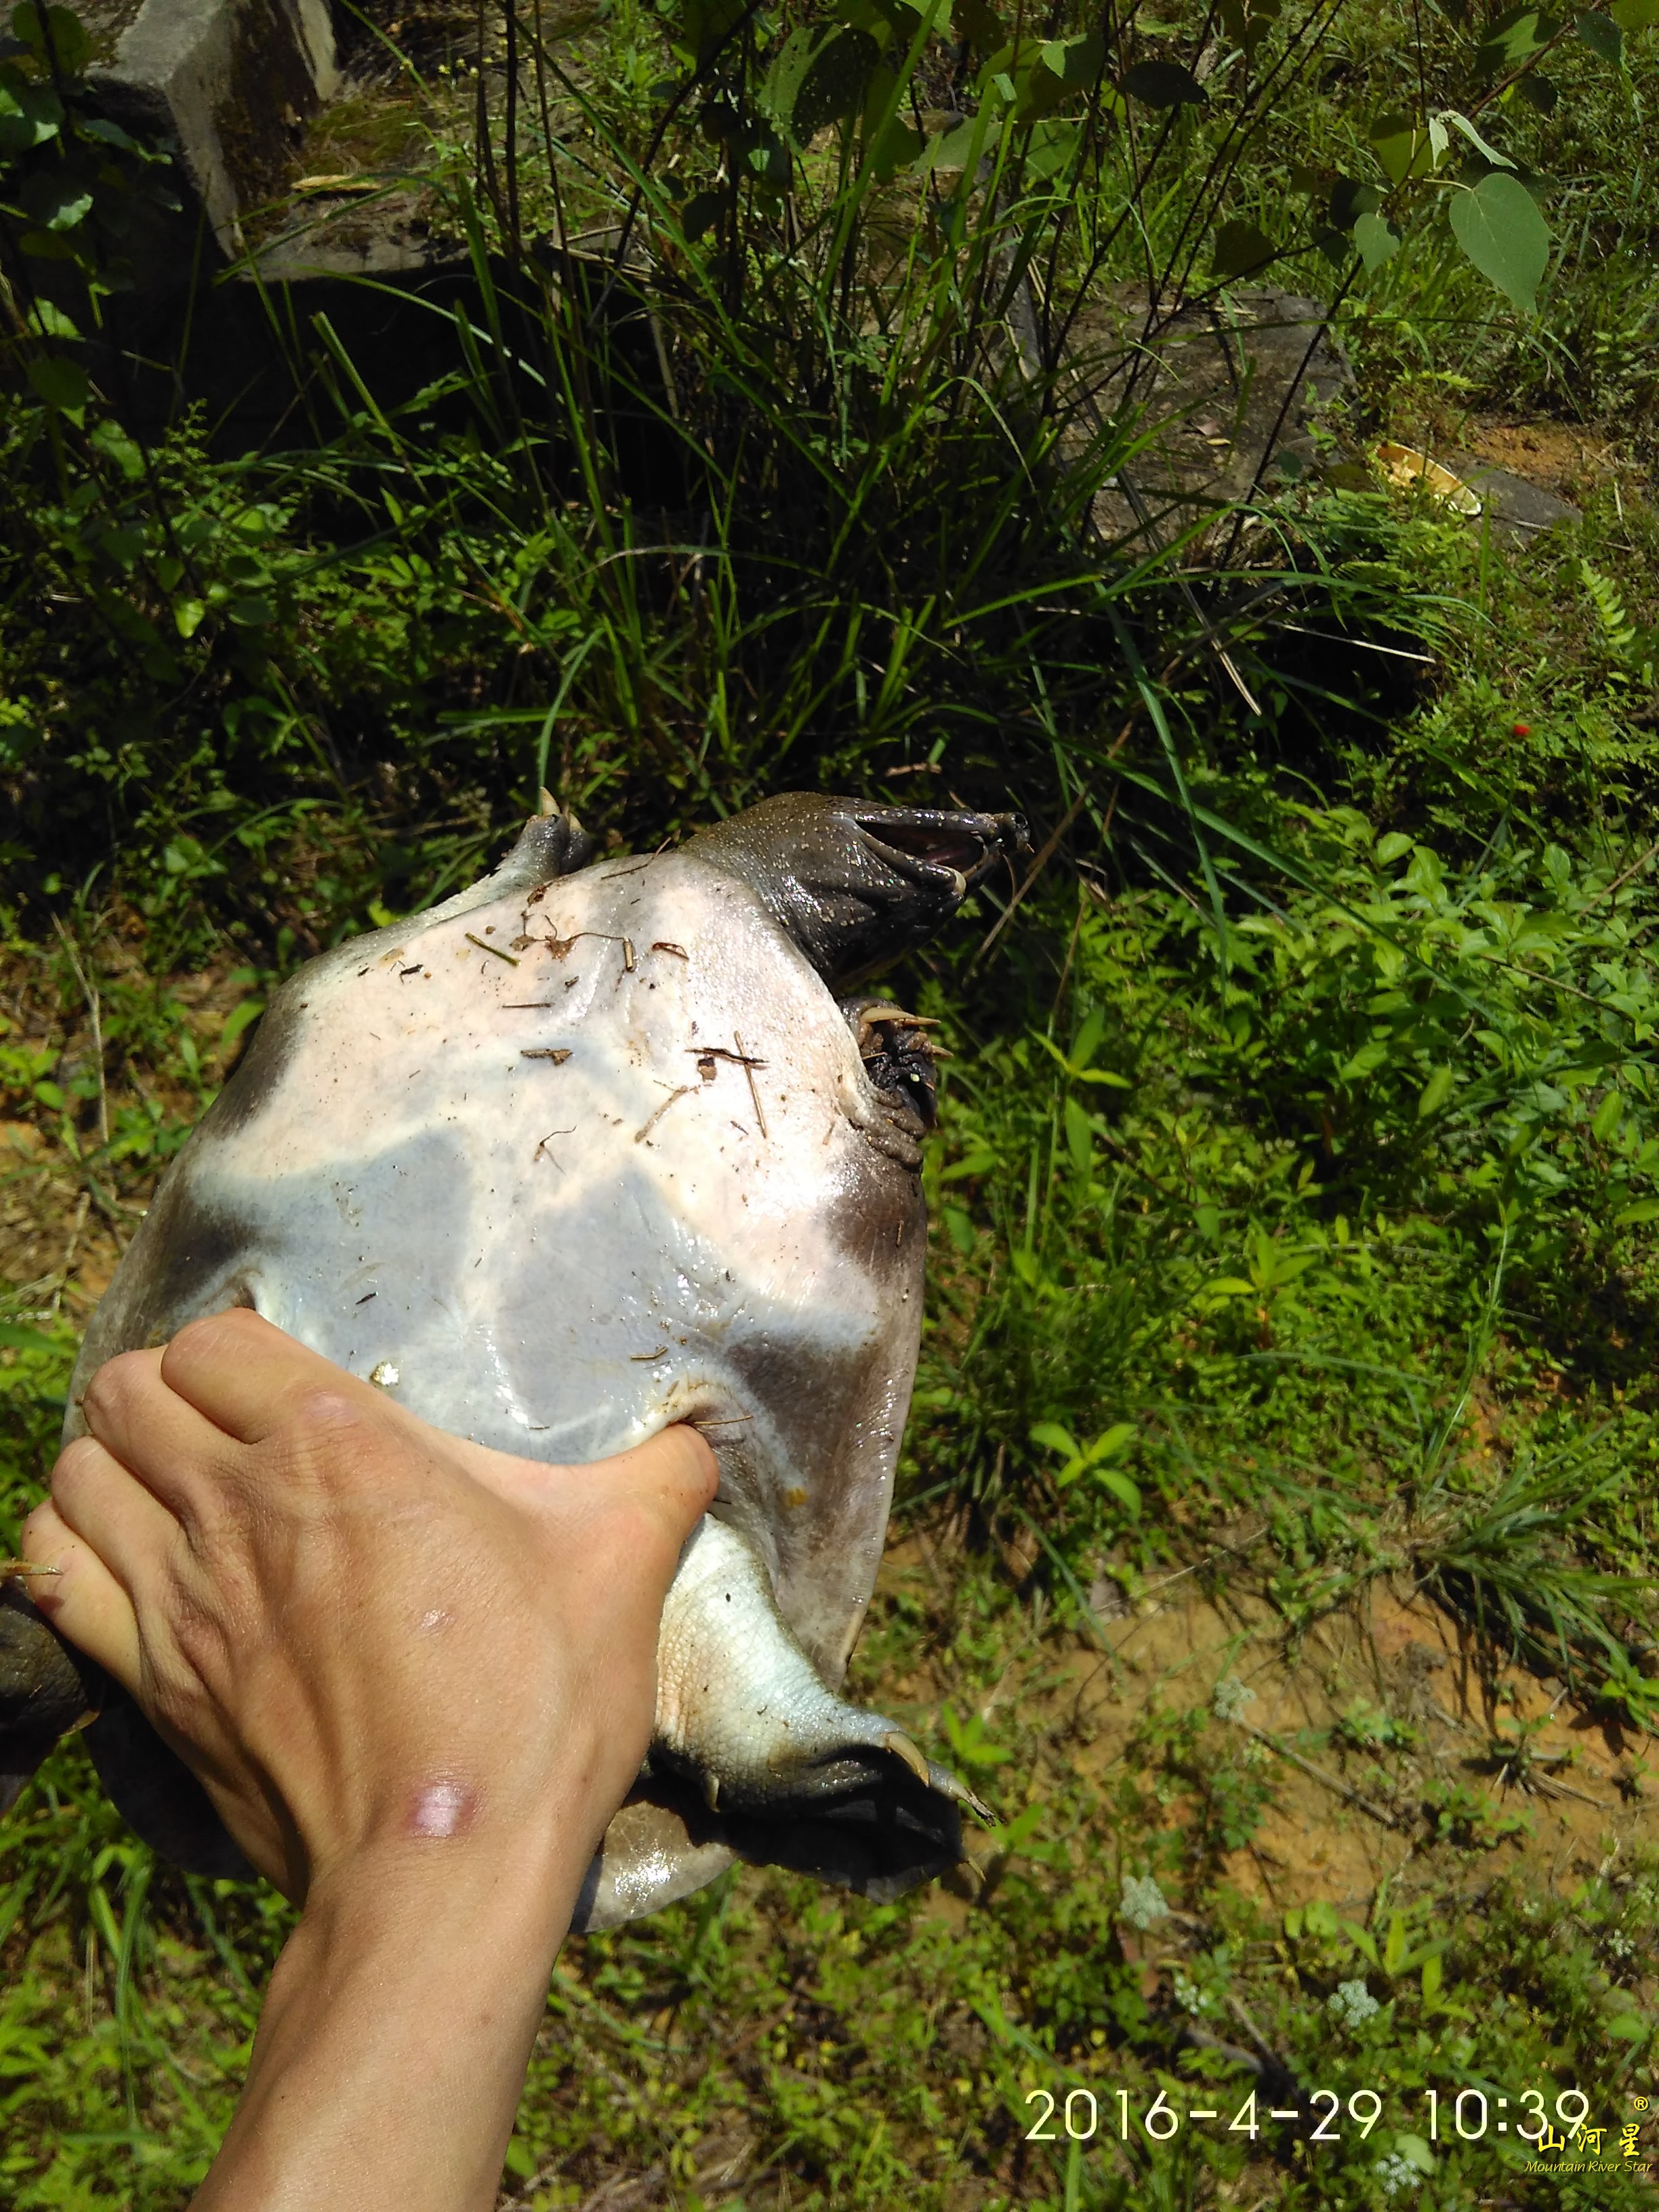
x=1567 y=458
x=1343 y=1822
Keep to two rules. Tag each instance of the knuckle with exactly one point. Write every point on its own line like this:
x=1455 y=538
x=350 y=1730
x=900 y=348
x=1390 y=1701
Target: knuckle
x=326 y=1436
x=41 y=1525
x=115 y=1383
x=210 y=1337
x=74 y=1463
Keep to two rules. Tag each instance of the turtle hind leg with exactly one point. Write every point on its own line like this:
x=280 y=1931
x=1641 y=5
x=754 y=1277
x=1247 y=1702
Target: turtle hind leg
x=47 y=1689
x=791 y=1773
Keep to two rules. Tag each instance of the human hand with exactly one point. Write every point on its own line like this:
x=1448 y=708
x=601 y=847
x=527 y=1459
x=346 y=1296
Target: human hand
x=416 y=1678
x=364 y=1635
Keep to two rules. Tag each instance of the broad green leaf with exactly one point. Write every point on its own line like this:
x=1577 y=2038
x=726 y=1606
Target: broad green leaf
x=1037 y=91
x=187 y=619
x=781 y=83
x=30 y=114
x=1607 y=1114
x=109 y=134
x=1630 y=2027
x=1432 y=1973
x=701 y=212
x=1076 y=62
x=959 y=1228
x=1053 y=146
x=955 y=149
x=1365 y=1061
x=1053 y=1437
x=1119 y=1484
x=239 y=1018
x=1646 y=1209
x=1517 y=34
x=1402 y=147
x=1414 y=2150
x=52 y=322
x=1164 y=84
x=834 y=84
x=1634 y=16
x=53 y=35
x=893 y=145
x=14 y=1337
x=1350 y=200
x=1113 y=1440
x=977 y=1162
x=59 y=198
x=1374 y=242
x=1540 y=91
x=1603 y=36
x=1362 y=1941
x=1435 y=1092
x=61 y=383
x=1086 y=1044
x=1498 y=226
x=1241 y=249
x=1394 y=1949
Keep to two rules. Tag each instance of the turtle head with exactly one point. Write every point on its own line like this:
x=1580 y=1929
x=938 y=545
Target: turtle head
x=856 y=884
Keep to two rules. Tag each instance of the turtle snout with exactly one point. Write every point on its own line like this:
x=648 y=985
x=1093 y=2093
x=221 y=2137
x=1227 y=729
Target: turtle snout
x=942 y=845
x=855 y=884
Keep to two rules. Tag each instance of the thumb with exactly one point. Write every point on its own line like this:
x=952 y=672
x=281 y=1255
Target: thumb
x=674 y=1474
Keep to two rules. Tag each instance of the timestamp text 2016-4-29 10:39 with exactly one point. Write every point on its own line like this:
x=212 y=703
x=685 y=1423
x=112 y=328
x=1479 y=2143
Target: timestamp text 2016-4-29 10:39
x=1545 y=2122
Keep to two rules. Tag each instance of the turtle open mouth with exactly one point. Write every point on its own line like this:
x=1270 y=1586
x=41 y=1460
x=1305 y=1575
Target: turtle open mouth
x=929 y=844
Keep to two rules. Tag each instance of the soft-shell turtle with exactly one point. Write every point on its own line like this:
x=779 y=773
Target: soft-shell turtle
x=584 y=1151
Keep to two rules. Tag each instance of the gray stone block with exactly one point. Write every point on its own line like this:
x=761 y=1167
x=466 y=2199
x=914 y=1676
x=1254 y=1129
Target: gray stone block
x=231 y=82
x=1512 y=509
x=1228 y=393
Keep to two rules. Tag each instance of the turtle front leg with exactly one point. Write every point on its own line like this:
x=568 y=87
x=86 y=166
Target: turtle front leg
x=741 y=1711
x=47 y=1687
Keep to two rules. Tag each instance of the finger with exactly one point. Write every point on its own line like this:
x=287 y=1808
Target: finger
x=674 y=1475
x=113 y=1512
x=175 y=1450
x=82 y=1599
x=247 y=1377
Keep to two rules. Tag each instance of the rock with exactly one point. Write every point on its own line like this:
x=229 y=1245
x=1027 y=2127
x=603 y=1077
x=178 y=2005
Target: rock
x=1233 y=390
x=1511 y=509
x=231 y=81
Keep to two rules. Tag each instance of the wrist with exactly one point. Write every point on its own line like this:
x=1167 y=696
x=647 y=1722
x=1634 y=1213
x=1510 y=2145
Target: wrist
x=403 y=2008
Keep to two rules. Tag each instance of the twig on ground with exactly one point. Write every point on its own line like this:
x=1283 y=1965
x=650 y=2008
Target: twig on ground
x=1318 y=1774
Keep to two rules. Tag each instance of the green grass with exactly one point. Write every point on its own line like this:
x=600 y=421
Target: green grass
x=1292 y=1207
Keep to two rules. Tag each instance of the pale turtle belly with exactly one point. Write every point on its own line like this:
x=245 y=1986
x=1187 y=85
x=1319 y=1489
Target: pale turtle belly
x=557 y=1257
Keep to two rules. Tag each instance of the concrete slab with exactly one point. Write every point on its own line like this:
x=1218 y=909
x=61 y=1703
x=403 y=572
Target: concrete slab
x=1511 y=509
x=232 y=84
x=1232 y=389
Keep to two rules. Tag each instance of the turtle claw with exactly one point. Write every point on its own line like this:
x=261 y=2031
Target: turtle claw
x=950 y=1785
x=900 y=1745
